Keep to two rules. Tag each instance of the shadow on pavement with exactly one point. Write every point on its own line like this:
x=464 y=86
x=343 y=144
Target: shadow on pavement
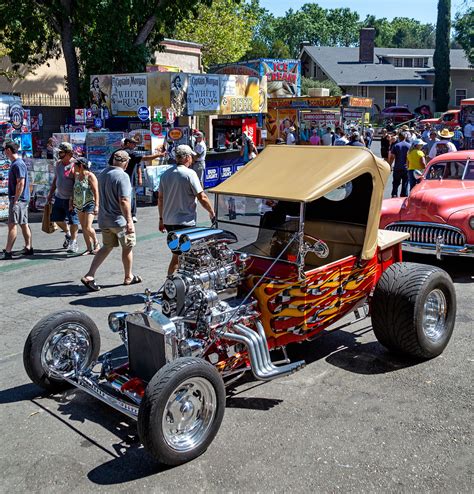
x=24 y=392
x=109 y=300
x=343 y=349
x=57 y=289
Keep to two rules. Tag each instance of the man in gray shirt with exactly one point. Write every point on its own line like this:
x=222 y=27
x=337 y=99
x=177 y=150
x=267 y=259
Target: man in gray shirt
x=63 y=211
x=177 y=194
x=115 y=220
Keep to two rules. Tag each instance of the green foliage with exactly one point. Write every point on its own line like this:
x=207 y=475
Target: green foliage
x=464 y=32
x=401 y=32
x=95 y=36
x=442 y=67
x=224 y=29
x=307 y=83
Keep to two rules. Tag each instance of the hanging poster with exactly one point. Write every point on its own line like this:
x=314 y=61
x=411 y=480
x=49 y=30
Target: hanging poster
x=240 y=94
x=179 y=84
x=99 y=92
x=129 y=92
x=203 y=94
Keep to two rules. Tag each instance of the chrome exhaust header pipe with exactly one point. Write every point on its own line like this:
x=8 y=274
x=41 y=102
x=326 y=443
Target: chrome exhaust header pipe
x=256 y=343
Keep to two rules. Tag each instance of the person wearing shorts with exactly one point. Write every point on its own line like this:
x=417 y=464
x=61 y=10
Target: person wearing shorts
x=86 y=202
x=63 y=212
x=115 y=220
x=19 y=197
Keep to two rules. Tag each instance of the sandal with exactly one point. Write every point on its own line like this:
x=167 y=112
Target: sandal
x=91 y=285
x=134 y=280
x=96 y=249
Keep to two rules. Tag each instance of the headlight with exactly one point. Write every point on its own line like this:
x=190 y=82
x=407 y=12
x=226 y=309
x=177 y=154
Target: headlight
x=117 y=321
x=471 y=222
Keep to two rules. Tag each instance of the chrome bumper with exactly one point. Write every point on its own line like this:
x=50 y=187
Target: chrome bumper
x=438 y=249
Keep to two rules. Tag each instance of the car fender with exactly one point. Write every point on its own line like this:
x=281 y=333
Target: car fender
x=390 y=211
x=460 y=219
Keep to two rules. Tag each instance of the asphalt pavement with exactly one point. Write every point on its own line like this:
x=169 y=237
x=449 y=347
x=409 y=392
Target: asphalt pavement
x=355 y=419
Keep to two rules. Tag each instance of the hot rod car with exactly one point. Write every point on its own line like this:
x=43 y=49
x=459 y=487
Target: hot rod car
x=306 y=251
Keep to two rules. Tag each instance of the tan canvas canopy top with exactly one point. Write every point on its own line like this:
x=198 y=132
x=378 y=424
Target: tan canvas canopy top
x=306 y=173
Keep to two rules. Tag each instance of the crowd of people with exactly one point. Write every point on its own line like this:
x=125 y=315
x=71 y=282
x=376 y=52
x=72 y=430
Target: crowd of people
x=78 y=195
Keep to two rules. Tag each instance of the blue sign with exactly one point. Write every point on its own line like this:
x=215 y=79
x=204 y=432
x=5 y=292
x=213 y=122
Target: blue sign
x=98 y=123
x=226 y=172
x=211 y=176
x=143 y=113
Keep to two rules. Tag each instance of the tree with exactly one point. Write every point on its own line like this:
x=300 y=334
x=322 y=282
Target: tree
x=8 y=71
x=105 y=36
x=307 y=83
x=442 y=67
x=224 y=29
x=401 y=32
x=464 y=32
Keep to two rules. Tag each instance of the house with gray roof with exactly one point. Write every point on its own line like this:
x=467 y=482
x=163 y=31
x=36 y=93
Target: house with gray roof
x=391 y=76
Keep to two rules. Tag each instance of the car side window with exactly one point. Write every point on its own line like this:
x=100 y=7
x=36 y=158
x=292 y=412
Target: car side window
x=455 y=170
x=436 y=171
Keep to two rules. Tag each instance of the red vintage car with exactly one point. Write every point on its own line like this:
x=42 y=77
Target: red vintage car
x=439 y=212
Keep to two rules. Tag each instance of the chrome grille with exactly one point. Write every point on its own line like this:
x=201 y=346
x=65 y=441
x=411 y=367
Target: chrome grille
x=427 y=234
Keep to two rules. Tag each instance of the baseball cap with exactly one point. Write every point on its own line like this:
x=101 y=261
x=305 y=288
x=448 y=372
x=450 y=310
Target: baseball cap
x=133 y=140
x=121 y=156
x=184 y=150
x=83 y=162
x=66 y=147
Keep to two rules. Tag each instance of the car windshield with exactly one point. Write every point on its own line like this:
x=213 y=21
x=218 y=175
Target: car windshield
x=451 y=170
x=263 y=226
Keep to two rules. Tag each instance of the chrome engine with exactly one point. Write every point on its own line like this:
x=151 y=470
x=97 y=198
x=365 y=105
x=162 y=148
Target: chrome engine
x=202 y=289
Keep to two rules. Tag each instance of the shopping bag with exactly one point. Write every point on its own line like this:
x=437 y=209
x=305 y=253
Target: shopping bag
x=47 y=225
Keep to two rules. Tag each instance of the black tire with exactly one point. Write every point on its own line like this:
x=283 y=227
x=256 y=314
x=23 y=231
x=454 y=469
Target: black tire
x=398 y=304
x=40 y=336
x=157 y=394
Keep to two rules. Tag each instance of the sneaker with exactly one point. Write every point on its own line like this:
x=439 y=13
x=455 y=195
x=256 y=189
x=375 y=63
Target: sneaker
x=7 y=255
x=67 y=240
x=72 y=246
x=28 y=252
x=134 y=219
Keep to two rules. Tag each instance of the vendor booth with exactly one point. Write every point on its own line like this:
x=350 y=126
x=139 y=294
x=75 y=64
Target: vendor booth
x=169 y=103
x=304 y=114
x=356 y=111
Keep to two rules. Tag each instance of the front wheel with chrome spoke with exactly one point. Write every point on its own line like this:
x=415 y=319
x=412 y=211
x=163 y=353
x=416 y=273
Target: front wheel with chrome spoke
x=182 y=410
x=60 y=346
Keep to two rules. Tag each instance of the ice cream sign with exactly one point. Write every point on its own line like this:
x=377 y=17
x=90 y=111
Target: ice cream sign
x=282 y=77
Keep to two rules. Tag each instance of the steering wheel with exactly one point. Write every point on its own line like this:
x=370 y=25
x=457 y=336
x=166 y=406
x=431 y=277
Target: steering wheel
x=315 y=246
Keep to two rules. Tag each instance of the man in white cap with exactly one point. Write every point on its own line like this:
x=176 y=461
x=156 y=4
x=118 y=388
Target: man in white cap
x=444 y=145
x=199 y=164
x=177 y=194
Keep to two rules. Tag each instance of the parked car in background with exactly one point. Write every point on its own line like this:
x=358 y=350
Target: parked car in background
x=439 y=212
x=449 y=119
x=397 y=114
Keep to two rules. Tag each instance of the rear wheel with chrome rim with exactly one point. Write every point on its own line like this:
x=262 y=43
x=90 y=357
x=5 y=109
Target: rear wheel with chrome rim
x=414 y=309
x=182 y=410
x=59 y=346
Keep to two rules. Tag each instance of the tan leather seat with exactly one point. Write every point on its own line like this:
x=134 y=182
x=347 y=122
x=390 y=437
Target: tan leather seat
x=343 y=239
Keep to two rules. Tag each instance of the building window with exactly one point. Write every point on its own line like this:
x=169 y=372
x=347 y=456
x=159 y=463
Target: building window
x=390 y=96
x=419 y=62
x=362 y=91
x=460 y=94
x=408 y=62
x=398 y=62
x=424 y=93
